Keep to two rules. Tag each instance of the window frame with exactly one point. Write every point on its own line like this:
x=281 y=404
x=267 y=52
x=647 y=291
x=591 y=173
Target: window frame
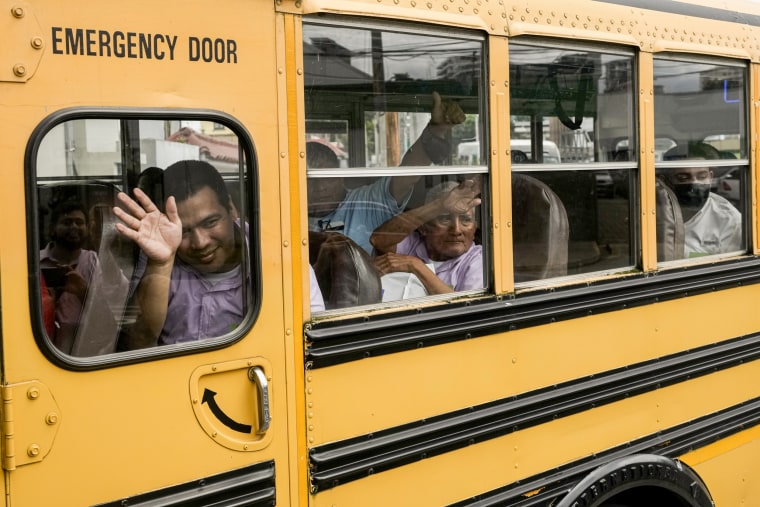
x=743 y=164
x=357 y=149
x=248 y=172
x=632 y=166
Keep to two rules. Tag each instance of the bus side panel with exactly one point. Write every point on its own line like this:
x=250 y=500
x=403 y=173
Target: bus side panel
x=394 y=414
x=738 y=454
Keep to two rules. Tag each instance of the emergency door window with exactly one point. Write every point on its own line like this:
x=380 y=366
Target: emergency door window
x=123 y=230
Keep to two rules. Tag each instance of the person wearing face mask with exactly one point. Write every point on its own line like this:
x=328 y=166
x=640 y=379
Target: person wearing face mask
x=712 y=225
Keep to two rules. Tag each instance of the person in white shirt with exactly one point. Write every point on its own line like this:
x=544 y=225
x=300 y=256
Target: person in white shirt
x=712 y=225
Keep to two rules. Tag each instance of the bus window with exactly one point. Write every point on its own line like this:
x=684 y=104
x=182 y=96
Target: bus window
x=386 y=112
x=572 y=115
x=701 y=105
x=98 y=261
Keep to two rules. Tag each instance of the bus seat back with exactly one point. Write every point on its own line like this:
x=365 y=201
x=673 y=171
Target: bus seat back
x=670 y=228
x=345 y=272
x=541 y=231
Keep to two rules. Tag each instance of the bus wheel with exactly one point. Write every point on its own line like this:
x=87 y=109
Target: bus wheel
x=637 y=481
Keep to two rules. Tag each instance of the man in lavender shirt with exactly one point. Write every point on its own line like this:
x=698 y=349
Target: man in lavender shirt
x=192 y=284
x=440 y=234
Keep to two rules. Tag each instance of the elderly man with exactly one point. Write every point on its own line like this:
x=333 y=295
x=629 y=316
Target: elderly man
x=435 y=242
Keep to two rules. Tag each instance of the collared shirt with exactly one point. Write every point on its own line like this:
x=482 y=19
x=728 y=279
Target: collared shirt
x=460 y=273
x=362 y=211
x=202 y=306
x=715 y=229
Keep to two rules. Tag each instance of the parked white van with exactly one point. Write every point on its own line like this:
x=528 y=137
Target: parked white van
x=470 y=152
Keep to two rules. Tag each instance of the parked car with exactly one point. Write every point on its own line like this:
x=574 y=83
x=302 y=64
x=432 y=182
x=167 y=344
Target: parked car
x=729 y=186
x=605 y=186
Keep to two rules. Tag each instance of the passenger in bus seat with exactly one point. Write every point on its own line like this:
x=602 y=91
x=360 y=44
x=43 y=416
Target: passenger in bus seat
x=357 y=212
x=191 y=286
x=435 y=242
x=712 y=225
x=84 y=289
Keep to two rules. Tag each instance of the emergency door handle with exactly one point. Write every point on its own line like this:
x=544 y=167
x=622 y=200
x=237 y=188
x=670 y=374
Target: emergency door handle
x=259 y=378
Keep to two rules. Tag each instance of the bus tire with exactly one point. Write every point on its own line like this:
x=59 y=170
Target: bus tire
x=637 y=481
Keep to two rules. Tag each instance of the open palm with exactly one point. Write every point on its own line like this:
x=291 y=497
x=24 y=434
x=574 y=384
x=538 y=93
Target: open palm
x=157 y=234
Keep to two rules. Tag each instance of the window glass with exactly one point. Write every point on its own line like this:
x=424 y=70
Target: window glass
x=102 y=269
x=574 y=169
x=702 y=172
x=395 y=170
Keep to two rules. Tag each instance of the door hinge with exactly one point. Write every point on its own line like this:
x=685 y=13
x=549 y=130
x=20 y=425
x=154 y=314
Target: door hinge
x=30 y=420
x=23 y=40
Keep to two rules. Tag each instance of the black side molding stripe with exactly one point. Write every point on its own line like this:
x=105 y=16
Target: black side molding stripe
x=252 y=486
x=336 y=342
x=339 y=462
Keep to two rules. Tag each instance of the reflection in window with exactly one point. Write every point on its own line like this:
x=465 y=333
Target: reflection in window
x=98 y=283
x=574 y=173
x=386 y=113
x=700 y=106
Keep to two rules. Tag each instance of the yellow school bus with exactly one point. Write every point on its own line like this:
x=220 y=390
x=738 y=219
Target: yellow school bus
x=455 y=253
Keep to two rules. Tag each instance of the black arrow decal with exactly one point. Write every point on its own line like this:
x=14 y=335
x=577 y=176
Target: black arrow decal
x=208 y=397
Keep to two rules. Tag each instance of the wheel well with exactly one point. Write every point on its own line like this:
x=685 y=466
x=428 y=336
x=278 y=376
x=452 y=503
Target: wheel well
x=646 y=495
x=640 y=479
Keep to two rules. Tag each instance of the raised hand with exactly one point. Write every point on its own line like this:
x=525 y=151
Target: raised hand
x=157 y=234
x=445 y=111
x=463 y=197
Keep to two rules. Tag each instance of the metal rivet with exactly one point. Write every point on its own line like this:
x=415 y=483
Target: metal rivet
x=37 y=42
x=18 y=12
x=33 y=450
x=19 y=69
x=33 y=393
x=51 y=419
